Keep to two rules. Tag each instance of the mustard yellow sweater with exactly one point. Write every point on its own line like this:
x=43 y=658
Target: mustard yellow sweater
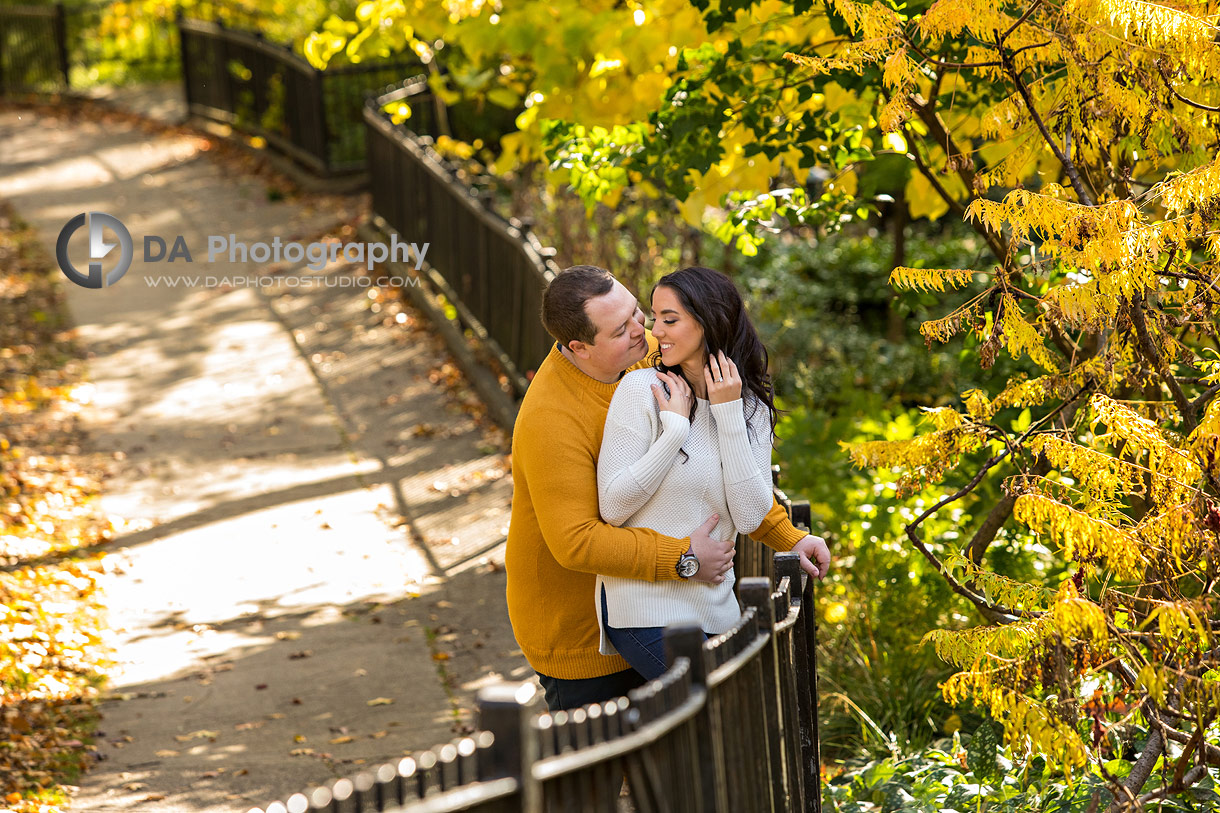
x=557 y=542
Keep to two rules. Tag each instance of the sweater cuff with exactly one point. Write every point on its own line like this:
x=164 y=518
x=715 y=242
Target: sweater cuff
x=738 y=458
x=669 y=551
x=673 y=422
x=777 y=532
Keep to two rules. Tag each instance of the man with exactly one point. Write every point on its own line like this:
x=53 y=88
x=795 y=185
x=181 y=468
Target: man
x=557 y=542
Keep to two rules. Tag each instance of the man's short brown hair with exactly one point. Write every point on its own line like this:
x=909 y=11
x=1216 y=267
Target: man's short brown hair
x=563 y=303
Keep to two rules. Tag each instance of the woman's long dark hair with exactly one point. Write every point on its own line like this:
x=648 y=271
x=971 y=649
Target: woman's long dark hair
x=715 y=303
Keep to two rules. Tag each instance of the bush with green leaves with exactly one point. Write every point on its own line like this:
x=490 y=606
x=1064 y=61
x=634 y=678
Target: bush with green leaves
x=974 y=773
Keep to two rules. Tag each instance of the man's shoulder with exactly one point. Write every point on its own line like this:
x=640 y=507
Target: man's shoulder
x=551 y=401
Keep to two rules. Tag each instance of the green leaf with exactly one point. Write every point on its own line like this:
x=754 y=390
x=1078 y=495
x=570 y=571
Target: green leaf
x=981 y=752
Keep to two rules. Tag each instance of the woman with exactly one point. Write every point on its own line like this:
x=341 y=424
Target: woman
x=673 y=455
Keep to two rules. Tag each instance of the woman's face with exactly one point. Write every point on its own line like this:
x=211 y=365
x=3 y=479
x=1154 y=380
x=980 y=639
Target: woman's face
x=677 y=332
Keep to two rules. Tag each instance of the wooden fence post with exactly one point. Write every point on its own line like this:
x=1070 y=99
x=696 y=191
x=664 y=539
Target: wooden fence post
x=686 y=641
x=805 y=637
x=756 y=592
x=504 y=710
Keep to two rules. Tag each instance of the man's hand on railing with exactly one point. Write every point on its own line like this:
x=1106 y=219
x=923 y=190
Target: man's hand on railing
x=815 y=555
x=715 y=557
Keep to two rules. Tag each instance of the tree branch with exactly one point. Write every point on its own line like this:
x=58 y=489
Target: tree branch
x=1192 y=776
x=1069 y=166
x=940 y=63
x=1165 y=78
x=993 y=612
x=1141 y=770
x=937 y=131
x=1032 y=7
x=1001 y=511
x=1204 y=397
x=922 y=166
x=1158 y=361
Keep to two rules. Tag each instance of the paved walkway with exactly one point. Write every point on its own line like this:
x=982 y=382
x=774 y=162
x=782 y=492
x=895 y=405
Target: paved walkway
x=305 y=576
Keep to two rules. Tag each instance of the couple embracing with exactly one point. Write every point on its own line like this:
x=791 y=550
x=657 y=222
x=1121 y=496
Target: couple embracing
x=637 y=459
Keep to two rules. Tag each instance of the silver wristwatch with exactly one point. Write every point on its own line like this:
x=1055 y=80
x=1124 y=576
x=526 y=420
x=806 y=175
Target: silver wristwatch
x=688 y=565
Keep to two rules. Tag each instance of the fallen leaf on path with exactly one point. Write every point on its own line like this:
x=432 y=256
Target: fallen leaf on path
x=153 y=797
x=260 y=686
x=301 y=752
x=304 y=653
x=341 y=740
x=165 y=752
x=381 y=701
x=211 y=774
x=275 y=715
x=290 y=635
x=134 y=786
x=300 y=738
x=440 y=656
x=201 y=734
x=379 y=734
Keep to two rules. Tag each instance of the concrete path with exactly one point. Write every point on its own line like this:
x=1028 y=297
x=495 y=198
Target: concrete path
x=309 y=519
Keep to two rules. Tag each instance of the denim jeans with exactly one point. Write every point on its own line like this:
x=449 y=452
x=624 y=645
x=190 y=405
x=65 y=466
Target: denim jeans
x=572 y=694
x=642 y=647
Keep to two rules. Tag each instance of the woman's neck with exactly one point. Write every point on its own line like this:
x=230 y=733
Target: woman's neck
x=693 y=371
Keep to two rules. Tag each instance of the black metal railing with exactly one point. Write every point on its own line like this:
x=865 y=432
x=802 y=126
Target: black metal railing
x=731 y=726
x=110 y=38
x=491 y=270
x=263 y=88
x=54 y=46
x=33 y=48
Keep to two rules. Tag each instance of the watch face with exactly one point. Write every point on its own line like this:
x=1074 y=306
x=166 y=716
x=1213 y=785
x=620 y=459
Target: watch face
x=688 y=566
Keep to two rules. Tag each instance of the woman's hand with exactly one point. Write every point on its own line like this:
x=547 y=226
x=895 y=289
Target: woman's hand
x=679 y=398
x=722 y=379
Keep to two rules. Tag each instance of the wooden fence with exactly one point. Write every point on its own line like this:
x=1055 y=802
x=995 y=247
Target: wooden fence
x=730 y=727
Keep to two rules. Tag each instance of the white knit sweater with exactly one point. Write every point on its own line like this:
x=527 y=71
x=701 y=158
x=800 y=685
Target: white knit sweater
x=643 y=481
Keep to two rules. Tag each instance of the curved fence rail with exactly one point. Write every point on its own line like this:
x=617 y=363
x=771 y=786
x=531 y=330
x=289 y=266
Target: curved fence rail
x=491 y=270
x=239 y=78
x=731 y=726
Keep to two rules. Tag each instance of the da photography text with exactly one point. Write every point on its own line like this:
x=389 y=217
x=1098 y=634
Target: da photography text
x=106 y=232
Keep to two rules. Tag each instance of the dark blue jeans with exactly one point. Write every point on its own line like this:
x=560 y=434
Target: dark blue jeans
x=642 y=647
x=572 y=694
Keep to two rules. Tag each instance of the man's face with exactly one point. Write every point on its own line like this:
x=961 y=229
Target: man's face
x=620 y=340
